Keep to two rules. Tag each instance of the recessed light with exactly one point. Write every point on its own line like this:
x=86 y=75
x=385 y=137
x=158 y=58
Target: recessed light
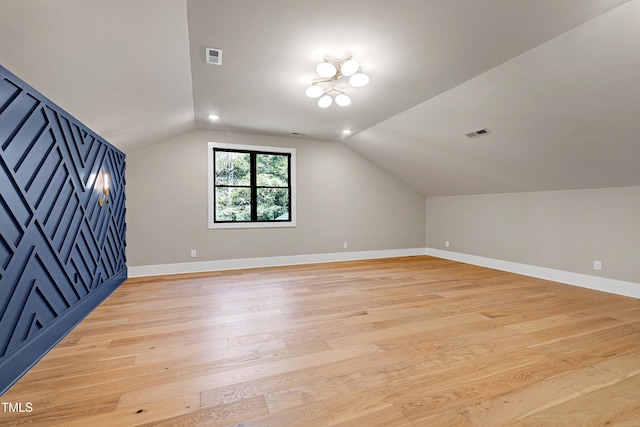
x=347 y=132
x=213 y=117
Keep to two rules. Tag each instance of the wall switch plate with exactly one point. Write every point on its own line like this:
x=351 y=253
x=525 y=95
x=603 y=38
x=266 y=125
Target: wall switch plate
x=344 y=245
x=446 y=243
x=194 y=253
x=597 y=265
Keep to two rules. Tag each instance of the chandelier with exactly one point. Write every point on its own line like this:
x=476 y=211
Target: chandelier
x=331 y=70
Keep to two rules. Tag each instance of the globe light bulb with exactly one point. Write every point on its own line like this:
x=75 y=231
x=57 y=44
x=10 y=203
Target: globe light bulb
x=314 y=91
x=325 y=101
x=326 y=70
x=343 y=100
x=359 y=80
x=349 y=68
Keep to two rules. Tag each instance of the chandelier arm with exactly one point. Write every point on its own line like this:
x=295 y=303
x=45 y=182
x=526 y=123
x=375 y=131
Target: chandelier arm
x=322 y=81
x=338 y=61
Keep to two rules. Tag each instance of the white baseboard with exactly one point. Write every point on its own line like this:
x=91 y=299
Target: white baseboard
x=233 y=264
x=603 y=284
x=583 y=280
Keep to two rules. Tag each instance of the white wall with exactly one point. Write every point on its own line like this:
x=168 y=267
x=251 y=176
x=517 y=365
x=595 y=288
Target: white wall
x=341 y=197
x=344 y=197
x=563 y=230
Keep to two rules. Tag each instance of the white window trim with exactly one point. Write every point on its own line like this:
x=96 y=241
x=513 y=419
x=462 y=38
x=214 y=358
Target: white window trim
x=211 y=201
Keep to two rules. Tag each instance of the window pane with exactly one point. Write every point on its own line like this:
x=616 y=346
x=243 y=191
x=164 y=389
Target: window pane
x=273 y=204
x=232 y=168
x=233 y=204
x=272 y=170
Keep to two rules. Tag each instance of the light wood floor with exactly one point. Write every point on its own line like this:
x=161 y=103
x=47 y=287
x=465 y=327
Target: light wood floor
x=414 y=341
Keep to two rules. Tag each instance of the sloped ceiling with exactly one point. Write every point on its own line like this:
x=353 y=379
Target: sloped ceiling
x=555 y=82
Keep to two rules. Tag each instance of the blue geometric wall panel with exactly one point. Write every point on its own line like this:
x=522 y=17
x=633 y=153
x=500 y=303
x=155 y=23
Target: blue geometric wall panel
x=61 y=253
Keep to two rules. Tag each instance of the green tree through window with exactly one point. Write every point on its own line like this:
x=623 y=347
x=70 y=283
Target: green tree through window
x=251 y=186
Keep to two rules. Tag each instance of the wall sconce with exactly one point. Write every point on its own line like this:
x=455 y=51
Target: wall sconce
x=105 y=190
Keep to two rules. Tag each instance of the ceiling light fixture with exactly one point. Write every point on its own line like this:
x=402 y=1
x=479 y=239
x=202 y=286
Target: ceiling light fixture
x=213 y=117
x=331 y=70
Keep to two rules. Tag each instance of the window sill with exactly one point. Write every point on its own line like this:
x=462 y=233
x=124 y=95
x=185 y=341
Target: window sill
x=227 y=225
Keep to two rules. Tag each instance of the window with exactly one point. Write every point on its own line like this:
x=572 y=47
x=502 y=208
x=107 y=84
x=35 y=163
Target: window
x=251 y=186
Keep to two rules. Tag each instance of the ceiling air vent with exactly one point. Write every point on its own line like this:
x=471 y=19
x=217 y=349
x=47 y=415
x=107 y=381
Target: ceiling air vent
x=214 y=56
x=477 y=133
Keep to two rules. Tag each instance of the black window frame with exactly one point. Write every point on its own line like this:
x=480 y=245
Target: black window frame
x=253 y=186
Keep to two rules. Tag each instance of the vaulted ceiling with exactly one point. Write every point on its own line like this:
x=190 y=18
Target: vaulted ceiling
x=555 y=82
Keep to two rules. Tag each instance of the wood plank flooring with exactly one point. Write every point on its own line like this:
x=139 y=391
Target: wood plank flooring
x=414 y=341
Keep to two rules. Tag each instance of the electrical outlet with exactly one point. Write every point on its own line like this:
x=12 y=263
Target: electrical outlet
x=597 y=265
x=194 y=253
x=446 y=243
x=345 y=245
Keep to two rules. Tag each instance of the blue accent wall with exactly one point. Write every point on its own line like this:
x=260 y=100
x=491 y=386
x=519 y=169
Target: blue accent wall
x=61 y=254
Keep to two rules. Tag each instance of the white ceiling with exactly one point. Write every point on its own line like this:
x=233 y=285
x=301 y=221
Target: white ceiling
x=555 y=82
